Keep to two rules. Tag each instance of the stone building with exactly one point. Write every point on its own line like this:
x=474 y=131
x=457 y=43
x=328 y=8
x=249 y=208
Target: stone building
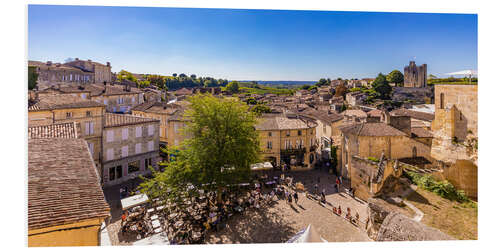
x=130 y=145
x=392 y=137
x=464 y=97
x=116 y=98
x=74 y=72
x=355 y=98
x=56 y=109
x=288 y=138
x=170 y=116
x=66 y=205
x=454 y=143
x=415 y=76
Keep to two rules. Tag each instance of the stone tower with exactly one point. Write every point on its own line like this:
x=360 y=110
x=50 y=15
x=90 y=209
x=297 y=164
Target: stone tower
x=415 y=76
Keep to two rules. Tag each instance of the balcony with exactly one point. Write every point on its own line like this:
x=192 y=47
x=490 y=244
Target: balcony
x=293 y=151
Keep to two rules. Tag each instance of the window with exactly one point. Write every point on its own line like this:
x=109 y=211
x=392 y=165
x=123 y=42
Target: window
x=150 y=146
x=105 y=102
x=133 y=99
x=109 y=154
x=414 y=152
x=133 y=167
x=299 y=132
x=312 y=131
x=89 y=128
x=138 y=131
x=324 y=128
x=124 y=151
x=69 y=114
x=176 y=128
x=269 y=145
x=88 y=113
x=176 y=142
x=441 y=100
x=288 y=133
x=112 y=173
x=151 y=130
x=109 y=136
x=119 y=172
x=124 y=133
x=148 y=162
x=71 y=77
x=138 y=148
x=84 y=96
x=270 y=134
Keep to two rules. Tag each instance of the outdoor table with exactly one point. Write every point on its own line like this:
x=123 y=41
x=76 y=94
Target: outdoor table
x=156 y=223
x=150 y=210
x=154 y=217
x=179 y=224
x=160 y=208
x=171 y=216
x=158 y=230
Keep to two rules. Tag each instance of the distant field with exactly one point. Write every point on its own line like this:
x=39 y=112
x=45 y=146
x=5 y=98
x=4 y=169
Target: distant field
x=455 y=83
x=266 y=90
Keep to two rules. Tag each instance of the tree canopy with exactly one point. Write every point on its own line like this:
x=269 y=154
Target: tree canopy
x=396 y=77
x=221 y=144
x=382 y=87
x=233 y=87
x=32 y=77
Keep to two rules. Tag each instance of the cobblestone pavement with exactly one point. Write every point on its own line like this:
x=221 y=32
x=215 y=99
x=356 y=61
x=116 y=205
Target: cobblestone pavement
x=279 y=221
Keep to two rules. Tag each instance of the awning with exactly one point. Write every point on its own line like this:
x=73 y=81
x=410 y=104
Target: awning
x=261 y=166
x=308 y=234
x=133 y=201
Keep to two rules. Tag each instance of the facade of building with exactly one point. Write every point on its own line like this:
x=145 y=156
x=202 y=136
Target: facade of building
x=130 y=145
x=66 y=205
x=415 y=76
x=464 y=97
x=56 y=109
x=74 y=72
x=288 y=139
x=391 y=137
x=170 y=117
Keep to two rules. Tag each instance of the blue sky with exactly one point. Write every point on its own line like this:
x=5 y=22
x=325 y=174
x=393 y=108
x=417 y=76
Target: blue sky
x=252 y=44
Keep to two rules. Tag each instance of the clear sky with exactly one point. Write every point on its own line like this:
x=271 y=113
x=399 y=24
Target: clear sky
x=252 y=44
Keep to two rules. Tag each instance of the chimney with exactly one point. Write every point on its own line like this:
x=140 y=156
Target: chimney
x=49 y=63
x=108 y=64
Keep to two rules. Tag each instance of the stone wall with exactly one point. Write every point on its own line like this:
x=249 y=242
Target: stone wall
x=423 y=95
x=464 y=97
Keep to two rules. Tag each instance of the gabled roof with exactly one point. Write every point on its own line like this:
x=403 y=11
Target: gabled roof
x=371 y=129
x=413 y=114
x=63 y=184
x=284 y=122
x=50 y=102
x=421 y=132
x=324 y=116
x=115 y=120
x=61 y=130
x=97 y=89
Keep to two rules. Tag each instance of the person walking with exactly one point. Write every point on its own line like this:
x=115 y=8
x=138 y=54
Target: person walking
x=316 y=188
x=290 y=199
x=323 y=196
x=337 y=185
x=296 y=197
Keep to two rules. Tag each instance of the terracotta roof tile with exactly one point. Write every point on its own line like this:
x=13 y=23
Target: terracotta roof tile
x=61 y=130
x=413 y=114
x=371 y=129
x=49 y=102
x=114 y=120
x=63 y=185
x=284 y=122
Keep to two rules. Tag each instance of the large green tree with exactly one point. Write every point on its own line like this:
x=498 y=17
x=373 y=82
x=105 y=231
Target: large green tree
x=222 y=143
x=382 y=87
x=32 y=77
x=396 y=77
x=233 y=87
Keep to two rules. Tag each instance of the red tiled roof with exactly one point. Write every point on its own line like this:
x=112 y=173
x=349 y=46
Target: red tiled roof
x=61 y=130
x=114 y=120
x=63 y=185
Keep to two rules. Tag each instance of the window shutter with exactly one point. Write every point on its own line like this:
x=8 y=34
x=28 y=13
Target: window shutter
x=125 y=133
x=110 y=136
x=138 y=131
x=124 y=151
x=151 y=130
x=150 y=145
x=87 y=128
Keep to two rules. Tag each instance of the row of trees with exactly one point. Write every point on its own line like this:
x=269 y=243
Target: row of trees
x=172 y=82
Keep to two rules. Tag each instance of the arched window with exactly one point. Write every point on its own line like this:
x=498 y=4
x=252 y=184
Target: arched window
x=441 y=100
x=414 y=152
